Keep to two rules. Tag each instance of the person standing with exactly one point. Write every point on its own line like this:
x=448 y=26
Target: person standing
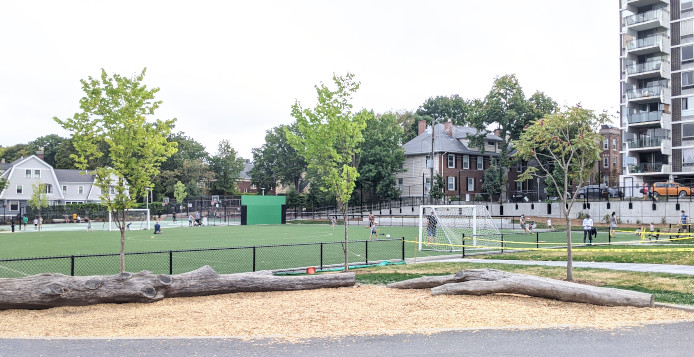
x=25 y=220
x=36 y=223
x=372 y=219
x=613 y=224
x=524 y=225
x=197 y=218
x=374 y=233
x=684 y=219
x=588 y=229
x=645 y=190
x=333 y=221
x=431 y=227
x=174 y=217
x=190 y=220
x=549 y=224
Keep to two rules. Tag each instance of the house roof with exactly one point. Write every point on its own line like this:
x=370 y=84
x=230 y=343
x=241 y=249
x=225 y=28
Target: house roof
x=443 y=142
x=65 y=175
x=245 y=173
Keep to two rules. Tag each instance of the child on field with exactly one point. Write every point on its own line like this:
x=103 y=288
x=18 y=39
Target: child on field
x=374 y=233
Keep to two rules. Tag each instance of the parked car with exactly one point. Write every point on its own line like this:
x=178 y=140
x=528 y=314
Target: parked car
x=599 y=191
x=670 y=189
x=592 y=191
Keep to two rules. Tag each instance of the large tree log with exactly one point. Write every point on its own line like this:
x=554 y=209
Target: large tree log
x=491 y=281
x=50 y=290
x=425 y=282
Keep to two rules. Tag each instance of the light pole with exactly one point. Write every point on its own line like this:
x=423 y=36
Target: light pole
x=263 y=188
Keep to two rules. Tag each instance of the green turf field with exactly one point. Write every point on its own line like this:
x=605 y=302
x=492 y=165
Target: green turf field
x=283 y=253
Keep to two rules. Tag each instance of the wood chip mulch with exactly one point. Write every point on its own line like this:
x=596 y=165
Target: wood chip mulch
x=363 y=309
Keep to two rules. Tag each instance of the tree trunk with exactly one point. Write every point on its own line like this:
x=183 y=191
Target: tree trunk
x=569 y=249
x=51 y=290
x=491 y=281
x=344 y=248
x=122 y=241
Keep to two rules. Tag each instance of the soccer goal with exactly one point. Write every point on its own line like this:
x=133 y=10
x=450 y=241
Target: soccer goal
x=448 y=225
x=135 y=219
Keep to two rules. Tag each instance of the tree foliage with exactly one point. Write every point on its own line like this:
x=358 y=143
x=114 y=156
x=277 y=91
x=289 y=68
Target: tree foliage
x=49 y=144
x=381 y=157
x=570 y=142
x=39 y=197
x=180 y=193
x=491 y=181
x=437 y=190
x=114 y=113
x=277 y=160
x=188 y=165
x=330 y=140
x=226 y=166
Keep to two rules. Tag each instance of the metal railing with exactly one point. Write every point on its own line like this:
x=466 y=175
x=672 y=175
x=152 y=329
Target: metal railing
x=644 y=117
x=657 y=14
x=647 y=142
x=649 y=41
x=222 y=260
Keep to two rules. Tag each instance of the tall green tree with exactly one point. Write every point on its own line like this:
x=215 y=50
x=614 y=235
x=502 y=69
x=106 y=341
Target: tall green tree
x=226 y=166
x=491 y=182
x=329 y=142
x=39 y=197
x=277 y=160
x=436 y=191
x=180 y=193
x=114 y=112
x=570 y=141
x=381 y=157
x=14 y=152
x=441 y=109
x=188 y=165
x=4 y=183
x=50 y=144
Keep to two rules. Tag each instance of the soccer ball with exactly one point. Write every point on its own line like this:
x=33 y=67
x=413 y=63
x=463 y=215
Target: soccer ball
x=387 y=235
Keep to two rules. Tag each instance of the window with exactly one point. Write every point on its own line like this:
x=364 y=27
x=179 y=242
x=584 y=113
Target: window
x=14 y=205
x=614 y=144
x=20 y=189
x=64 y=188
x=687 y=53
x=480 y=162
x=37 y=173
x=112 y=190
x=427 y=162
x=686 y=8
x=427 y=183
x=80 y=189
x=614 y=162
x=47 y=188
x=400 y=184
x=687 y=79
x=451 y=183
x=519 y=167
x=688 y=106
x=687 y=131
x=451 y=161
x=686 y=29
x=605 y=162
x=519 y=187
x=466 y=162
x=28 y=173
x=470 y=183
x=605 y=144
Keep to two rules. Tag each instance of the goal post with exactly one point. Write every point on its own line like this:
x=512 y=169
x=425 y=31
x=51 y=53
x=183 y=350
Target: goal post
x=443 y=227
x=136 y=218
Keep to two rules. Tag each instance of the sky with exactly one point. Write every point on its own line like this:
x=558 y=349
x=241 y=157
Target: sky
x=233 y=69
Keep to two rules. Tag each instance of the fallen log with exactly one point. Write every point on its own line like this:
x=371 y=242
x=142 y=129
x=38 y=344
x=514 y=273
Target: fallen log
x=425 y=282
x=491 y=281
x=51 y=290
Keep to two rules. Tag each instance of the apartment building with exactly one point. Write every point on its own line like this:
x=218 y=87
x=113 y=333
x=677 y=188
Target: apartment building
x=657 y=91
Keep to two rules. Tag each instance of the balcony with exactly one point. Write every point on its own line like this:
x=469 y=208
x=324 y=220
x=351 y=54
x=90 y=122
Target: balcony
x=640 y=3
x=653 y=142
x=657 y=68
x=644 y=117
x=648 y=20
x=648 y=167
x=646 y=45
x=648 y=93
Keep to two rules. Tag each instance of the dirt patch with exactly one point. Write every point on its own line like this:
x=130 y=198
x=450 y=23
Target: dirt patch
x=363 y=309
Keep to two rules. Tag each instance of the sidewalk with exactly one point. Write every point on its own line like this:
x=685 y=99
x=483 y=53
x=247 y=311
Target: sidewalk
x=638 y=267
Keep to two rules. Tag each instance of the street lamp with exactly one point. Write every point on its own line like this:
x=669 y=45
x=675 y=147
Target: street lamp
x=263 y=188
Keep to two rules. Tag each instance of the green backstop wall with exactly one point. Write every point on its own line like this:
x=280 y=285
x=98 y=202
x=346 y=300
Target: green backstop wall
x=262 y=209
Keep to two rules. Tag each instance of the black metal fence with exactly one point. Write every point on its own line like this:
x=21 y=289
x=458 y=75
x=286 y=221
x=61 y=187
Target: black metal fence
x=223 y=260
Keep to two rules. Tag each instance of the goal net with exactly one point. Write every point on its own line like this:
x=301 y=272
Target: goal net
x=135 y=219
x=443 y=228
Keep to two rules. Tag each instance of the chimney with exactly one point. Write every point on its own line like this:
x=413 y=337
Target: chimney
x=421 y=127
x=39 y=153
x=497 y=132
x=448 y=128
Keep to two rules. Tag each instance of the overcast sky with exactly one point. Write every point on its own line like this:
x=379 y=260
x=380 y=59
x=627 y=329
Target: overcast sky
x=232 y=69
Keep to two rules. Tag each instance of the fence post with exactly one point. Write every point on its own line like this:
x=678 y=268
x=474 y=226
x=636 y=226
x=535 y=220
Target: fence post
x=403 y=249
x=72 y=265
x=170 y=262
x=366 y=252
x=253 y=258
x=537 y=239
x=502 y=244
x=463 y=245
x=321 y=255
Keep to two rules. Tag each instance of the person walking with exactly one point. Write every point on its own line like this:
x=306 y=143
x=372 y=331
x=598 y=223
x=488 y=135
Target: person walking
x=190 y=220
x=25 y=220
x=588 y=229
x=684 y=219
x=613 y=224
x=523 y=224
x=550 y=227
x=645 y=191
x=431 y=227
x=36 y=223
